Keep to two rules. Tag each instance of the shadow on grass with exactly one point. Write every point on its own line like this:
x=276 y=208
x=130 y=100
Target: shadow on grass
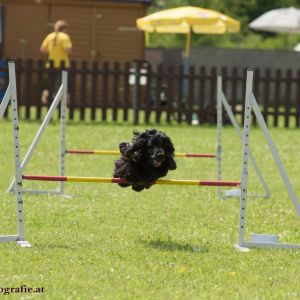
x=173 y=246
x=55 y=246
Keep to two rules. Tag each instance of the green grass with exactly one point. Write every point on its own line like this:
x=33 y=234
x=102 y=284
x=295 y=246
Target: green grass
x=168 y=242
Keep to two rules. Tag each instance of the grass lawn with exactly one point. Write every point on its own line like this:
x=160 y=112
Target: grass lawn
x=168 y=242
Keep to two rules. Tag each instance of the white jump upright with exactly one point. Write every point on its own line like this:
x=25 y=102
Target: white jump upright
x=259 y=240
x=222 y=102
x=11 y=97
x=61 y=97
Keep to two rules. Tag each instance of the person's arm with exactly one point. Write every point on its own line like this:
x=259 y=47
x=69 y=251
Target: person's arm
x=43 y=50
x=69 y=50
x=68 y=46
x=44 y=46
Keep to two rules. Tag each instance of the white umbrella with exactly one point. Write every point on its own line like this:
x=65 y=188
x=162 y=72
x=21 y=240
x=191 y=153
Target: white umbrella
x=285 y=20
x=297 y=47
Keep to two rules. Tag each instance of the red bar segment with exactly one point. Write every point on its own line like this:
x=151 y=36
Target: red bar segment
x=219 y=183
x=118 y=180
x=199 y=155
x=45 y=178
x=71 y=151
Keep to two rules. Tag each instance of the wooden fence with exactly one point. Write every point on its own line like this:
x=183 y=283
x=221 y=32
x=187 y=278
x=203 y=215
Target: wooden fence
x=166 y=92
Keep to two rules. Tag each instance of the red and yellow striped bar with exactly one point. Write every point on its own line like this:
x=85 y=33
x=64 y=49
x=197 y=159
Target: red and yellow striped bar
x=116 y=152
x=120 y=180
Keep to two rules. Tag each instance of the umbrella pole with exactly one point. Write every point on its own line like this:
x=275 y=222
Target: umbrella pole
x=187 y=44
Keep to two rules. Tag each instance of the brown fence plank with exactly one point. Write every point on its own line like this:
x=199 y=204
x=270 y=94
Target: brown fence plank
x=287 y=100
x=297 y=124
x=126 y=94
x=157 y=103
x=190 y=98
x=83 y=93
x=105 y=76
x=148 y=94
x=234 y=87
x=225 y=79
x=212 y=95
x=28 y=87
x=242 y=81
x=267 y=81
x=116 y=84
x=277 y=97
x=41 y=88
x=201 y=112
x=94 y=91
x=169 y=93
x=72 y=85
x=179 y=97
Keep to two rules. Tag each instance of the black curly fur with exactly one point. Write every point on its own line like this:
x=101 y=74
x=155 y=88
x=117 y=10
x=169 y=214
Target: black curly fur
x=149 y=156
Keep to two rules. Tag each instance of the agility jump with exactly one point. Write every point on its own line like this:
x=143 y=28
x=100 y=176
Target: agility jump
x=258 y=240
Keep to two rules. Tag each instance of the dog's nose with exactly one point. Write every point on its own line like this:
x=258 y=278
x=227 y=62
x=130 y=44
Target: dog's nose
x=160 y=155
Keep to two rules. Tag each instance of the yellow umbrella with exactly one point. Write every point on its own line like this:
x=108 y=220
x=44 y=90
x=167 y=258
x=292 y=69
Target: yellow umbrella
x=186 y=20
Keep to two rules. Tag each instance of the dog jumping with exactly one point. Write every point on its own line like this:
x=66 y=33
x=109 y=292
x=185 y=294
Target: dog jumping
x=149 y=156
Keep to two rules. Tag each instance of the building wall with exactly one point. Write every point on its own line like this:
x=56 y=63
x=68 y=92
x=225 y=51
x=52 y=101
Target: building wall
x=99 y=30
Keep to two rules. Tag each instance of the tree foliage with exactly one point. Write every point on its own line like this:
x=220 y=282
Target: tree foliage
x=242 y=10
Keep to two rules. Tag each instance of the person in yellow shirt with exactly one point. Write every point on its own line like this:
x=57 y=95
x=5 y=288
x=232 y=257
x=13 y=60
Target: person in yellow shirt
x=58 y=46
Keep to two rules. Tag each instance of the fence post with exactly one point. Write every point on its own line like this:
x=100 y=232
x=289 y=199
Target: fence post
x=94 y=90
x=190 y=96
x=149 y=89
x=83 y=90
x=72 y=84
x=105 y=80
x=287 y=105
x=298 y=100
x=212 y=95
x=136 y=93
x=277 y=97
x=116 y=84
x=201 y=113
x=28 y=103
x=126 y=91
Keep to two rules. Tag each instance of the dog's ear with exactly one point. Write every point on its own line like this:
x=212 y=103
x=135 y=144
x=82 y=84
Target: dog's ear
x=124 y=147
x=168 y=144
x=171 y=163
x=151 y=131
x=136 y=134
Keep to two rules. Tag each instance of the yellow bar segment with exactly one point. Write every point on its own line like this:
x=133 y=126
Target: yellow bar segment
x=88 y=179
x=104 y=152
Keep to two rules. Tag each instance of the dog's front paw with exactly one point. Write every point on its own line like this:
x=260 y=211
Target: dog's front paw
x=137 y=187
x=123 y=184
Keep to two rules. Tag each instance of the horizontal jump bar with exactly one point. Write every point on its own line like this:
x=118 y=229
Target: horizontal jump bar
x=120 y=180
x=116 y=152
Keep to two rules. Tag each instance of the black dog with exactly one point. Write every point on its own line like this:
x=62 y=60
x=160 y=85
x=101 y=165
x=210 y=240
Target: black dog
x=148 y=157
